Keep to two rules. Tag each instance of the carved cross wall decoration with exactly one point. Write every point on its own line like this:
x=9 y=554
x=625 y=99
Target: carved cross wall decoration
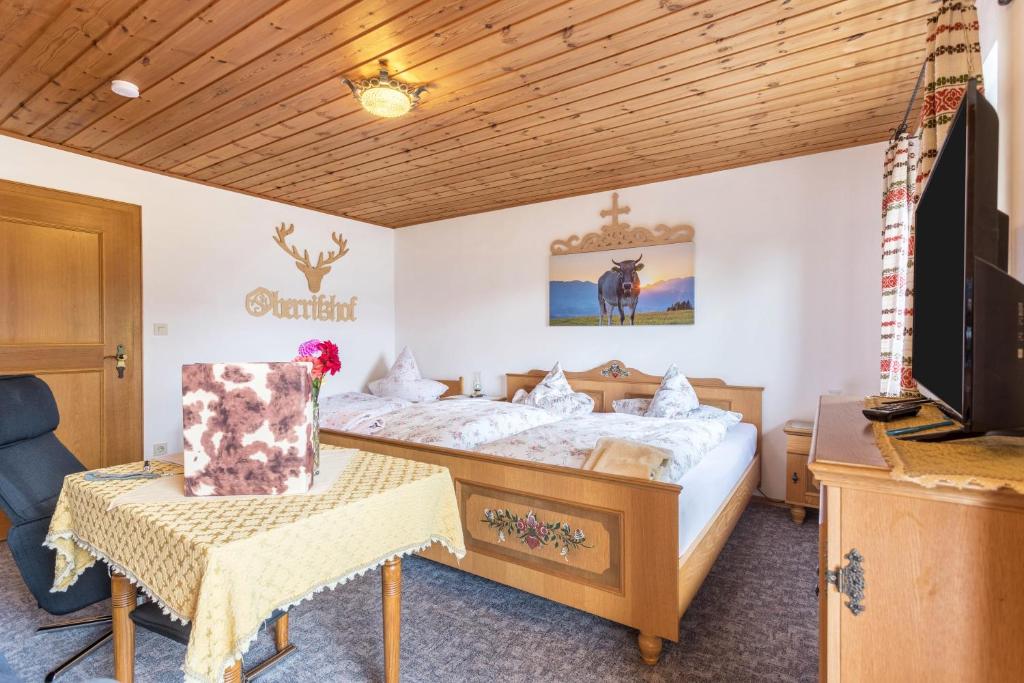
x=621 y=235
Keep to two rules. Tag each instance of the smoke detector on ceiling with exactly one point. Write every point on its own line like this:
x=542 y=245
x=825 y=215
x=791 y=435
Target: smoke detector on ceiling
x=125 y=88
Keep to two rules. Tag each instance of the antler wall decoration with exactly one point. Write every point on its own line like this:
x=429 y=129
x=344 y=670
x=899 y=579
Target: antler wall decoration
x=314 y=273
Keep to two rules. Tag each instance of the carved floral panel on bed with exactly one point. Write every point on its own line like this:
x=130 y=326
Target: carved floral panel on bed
x=556 y=537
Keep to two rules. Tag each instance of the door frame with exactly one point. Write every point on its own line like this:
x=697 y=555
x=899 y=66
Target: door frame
x=131 y=214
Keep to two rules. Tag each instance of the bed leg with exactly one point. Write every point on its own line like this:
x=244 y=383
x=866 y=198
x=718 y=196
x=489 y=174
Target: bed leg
x=650 y=648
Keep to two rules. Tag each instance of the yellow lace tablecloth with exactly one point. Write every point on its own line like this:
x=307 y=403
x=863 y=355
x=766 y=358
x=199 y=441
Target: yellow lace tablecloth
x=989 y=462
x=225 y=565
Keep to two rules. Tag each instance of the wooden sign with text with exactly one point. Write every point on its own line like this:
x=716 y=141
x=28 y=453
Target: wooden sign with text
x=330 y=308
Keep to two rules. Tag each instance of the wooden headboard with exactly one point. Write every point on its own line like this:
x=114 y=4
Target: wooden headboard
x=614 y=380
x=454 y=387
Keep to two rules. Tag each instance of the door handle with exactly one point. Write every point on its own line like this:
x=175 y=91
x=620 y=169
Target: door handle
x=121 y=360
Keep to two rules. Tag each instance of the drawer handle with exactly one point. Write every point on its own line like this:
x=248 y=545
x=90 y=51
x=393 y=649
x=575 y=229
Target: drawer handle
x=796 y=478
x=849 y=581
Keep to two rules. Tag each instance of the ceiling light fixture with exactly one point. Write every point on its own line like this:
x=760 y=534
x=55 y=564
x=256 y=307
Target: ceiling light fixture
x=125 y=88
x=384 y=96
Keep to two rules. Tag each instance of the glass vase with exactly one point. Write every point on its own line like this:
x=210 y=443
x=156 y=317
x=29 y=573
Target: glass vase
x=316 y=437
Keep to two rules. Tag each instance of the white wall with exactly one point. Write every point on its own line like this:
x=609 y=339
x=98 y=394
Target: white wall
x=787 y=267
x=1013 y=95
x=203 y=249
x=1002 y=47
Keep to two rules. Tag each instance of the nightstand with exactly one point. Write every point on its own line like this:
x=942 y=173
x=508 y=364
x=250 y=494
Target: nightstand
x=801 y=486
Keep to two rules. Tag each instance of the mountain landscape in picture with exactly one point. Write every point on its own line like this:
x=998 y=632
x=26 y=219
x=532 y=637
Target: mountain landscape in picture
x=651 y=286
x=578 y=299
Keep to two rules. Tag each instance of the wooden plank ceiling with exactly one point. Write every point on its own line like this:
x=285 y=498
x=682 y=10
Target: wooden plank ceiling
x=529 y=100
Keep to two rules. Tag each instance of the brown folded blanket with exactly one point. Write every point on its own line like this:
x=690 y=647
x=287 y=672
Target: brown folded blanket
x=627 y=458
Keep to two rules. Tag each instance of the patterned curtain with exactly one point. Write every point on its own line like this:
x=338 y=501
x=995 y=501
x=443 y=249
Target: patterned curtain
x=954 y=57
x=897 y=263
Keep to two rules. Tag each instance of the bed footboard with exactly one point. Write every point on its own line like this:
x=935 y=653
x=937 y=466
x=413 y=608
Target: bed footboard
x=604 y=544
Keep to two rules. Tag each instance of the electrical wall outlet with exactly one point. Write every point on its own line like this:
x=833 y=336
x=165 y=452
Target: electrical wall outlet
x=159 y=329
x=159 y=450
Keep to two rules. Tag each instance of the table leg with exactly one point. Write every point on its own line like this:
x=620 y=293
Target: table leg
x=391 y=593
x=281 y=633
x=233 y=674
x=122 y=602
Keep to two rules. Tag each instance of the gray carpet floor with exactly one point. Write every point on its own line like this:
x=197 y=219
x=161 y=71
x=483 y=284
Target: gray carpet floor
x=754 y=619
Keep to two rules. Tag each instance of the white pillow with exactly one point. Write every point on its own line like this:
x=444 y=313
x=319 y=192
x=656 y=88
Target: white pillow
x=417 y=390
x=566 y=405
x=405 y=381
x=404 y=368
x=554 y=395
x=703 y=412
x=674 y=398
x=631 y=406
x=553 y=383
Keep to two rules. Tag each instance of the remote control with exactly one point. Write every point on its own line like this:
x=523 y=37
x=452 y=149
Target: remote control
x=891 y=412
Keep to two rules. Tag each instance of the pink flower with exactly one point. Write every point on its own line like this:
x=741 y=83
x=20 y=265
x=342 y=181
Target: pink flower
x=543 y=531
x=521 y=525
x=532 y=542
x=310 y=348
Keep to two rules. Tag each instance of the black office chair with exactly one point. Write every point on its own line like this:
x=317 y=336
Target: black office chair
x=150 y=617
x=33 y=464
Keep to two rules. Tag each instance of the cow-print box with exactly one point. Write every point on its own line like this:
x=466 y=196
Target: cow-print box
x=247 y=428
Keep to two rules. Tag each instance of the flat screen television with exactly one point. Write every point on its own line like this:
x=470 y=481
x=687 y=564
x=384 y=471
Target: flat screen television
x=968 y=336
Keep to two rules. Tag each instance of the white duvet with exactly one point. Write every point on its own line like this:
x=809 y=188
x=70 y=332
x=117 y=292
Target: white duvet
x=462 y=424
x=353 y=411
x=569 y=442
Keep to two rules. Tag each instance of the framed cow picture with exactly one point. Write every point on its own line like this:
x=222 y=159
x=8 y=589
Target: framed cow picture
x=623 y=275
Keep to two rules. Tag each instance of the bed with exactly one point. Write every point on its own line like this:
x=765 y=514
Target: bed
x=463 y=424
x=644 y=547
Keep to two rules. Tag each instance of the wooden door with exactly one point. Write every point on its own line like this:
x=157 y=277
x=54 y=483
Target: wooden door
x=942 y=598
x=70 y=292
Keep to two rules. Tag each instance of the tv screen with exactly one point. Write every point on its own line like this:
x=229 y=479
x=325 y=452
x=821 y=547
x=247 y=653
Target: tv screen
x=940 y=262
x=968 y=320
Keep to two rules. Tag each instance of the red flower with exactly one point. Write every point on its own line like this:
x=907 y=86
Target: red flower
x=328 y=360
x=318 y=366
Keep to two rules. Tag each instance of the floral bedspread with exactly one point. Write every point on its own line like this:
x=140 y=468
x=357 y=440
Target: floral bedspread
x=569 y=442
x=462 y=424
x=353 y=411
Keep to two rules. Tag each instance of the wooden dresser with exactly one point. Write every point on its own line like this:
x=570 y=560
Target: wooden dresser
x=940 y=570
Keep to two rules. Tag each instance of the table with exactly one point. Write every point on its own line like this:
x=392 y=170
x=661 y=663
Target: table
x=217 y=562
